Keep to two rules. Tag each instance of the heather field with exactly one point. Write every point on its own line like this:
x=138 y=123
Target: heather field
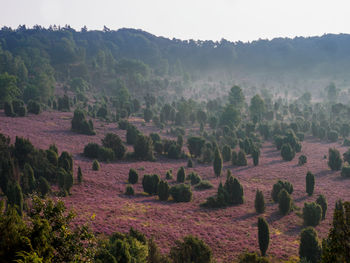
x=228 y=232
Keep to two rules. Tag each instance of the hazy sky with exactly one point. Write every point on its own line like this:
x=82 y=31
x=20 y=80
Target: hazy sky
x=187 y=19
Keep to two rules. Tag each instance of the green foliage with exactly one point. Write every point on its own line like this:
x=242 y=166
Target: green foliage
x=181 y=175
x=310 y=183
x=95 y=165
x=332 y=136
x=217 y=165
x=79 y=176
x=63 y=103
x=28 y=183
x=284 y=202
x=334 y=159
x=114 y=142
x=346 y=156
x=252 y=258
x=143 y=148
x=129 y=190
x=309 y=247
x=169 y=175
x=163 y=190
x=105 y=154
x=43 y=186
x=241 y=158
x=312 y=213
x=259 y=202
x=230 y=116
x=131 y=134
x=234 y=157
x=204 y=185
x=19 y=107
x=287 y=152
x=322 y=201
x=147 y=114
x=191 y=250
x=257 y=108
x=91 y=150
x=8 y=87
x=226 y=153
x=52 y=157
x=8 y=108
x=345 y=170
x=133 y=176
x=102 y=112
x=33 y=107
x=80 y=124
x=277 y=187
x=195 y=146
x=263 y=235
x=190 y=163
x=236 y=97
x=123 y=124
x=255 y=155
x=15 y=196
x=150 y=183
x=302 y=160
x=194 y=178
x=181 y=193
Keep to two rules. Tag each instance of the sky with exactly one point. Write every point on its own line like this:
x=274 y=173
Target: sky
x=234 y=20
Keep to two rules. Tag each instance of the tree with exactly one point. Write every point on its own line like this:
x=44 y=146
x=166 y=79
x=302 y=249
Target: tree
x=80 y=175
x=80 y=124
x=277 y=187
x=287 y=152
x=312 y=213
x=43 y=186
x=8 y=87
x=334 y=159
x=217 y=165
x=230 y=116
x=257 y=108
x=195 y=145
x=15 y=196
x=309 y=247
x=131 y=134
x=181 y=193
x=226 y=153
x=322 y=201
x=263 y=235
x=28 y=179
x=133 y=176
x=147 y=114
x=241 y=158
x=181 y=175
x=259 y=202
x=284 y=202
x=255 y=155
x=163 y=190
x=310 y=183
x=150 y=183
x=236 y=97
x=114 y=142
x=143 y=148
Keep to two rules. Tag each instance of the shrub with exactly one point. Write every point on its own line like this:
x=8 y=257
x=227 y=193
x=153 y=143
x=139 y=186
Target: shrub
x=252 y=258
x=310 y=183
x=80 y=124
x=163 y=190
x=217 y=165
x=263 y=235
x=63 y=103
x=8 y=109
x=105 y=154
x=284 y=202
x=241 y=158
x=33 y=107
x=19 y=108
x=302 y=160
x=234 y=157
x=43 y=186
x=147 y=114
x=169 y=175
x=191 y=250
x=300 y=136
x=321 y=200
x=66 y=162
x=190 y=163
x=181 y=193
x=123 y=124
x=15 y=196
x=133 y=176
x=309 y=247
x=234 y=190
x=194 y=178
x=334 y=160
x=259 y=202
x=181 y=175
x=312 y=214
x=345 y=170
x=332 y=136
x=195 y=145
x=287 y=152
x=255 y=155
x=150 y=183
x=277 y=187
x=203 y=185
x=79 y=175
x=158 y=147
x=278 y=139
x=28 y=179
x=131 y=134
x=91 y=150
x=174 y=151
x=114 y=142
x=95 y=165
x=102 y=112
x=226 y=153
x=52 y=157
x=143 y=148
x=346 y=156
x=346 y=142
x=129 y=190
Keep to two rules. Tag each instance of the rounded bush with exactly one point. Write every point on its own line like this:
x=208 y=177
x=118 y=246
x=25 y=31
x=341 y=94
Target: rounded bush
x=277 y=187
x=129 y=190
x=105 y=154
x=163 y=190
x=181 y=193
x=259 y=202
x=234 y=158
x=91 y=150
x=332 y=136
x=95 y=165
x=334 y=159
x=8 y=108
x=133 y=176
x=150 y=183
x=312 y=214
x=321 y=200
x=80 y=124
x=309 y=248
x=114 y=142
x=169 y=175
x=194 y=178
x=123 y=124
x=190 y=163
x=287 y=152
x=345 y=170
x=284 y=202
x=203 y=185
x=181 y=175
x=33 y=107
x=241 y=158
x=302 y=160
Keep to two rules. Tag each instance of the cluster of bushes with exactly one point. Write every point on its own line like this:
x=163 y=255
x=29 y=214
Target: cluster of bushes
x=289 y=144
x=15 y=108
x=281 y=192
x=169 y=148
x=81 y=125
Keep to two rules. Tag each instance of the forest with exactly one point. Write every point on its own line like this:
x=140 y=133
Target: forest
x=121 y=146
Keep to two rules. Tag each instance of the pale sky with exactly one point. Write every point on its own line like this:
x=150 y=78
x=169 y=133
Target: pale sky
x=233 y=20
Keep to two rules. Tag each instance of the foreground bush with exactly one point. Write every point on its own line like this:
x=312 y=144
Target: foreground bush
x=334 y=159
x=309 y=248
x=181 y=193
x=252 y=258
x=263 y=235
x=312 y=214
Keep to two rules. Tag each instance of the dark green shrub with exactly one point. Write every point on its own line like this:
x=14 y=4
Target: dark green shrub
x=332 y=136
x=169 y=175
x=33 y=107
x=191 y=250
x=345 y=170
x=123 y=124
x=129 y=190
x=284 y=202
x=28 y=180
x=150 y=183
x=147 y=114
x=195 y=146
x=203 y=185
x=300 y=136
x=63 y=103
x=15 y=196
x=131 y=134
x=105 y=154
x=133 y=176
x=346 y=142
x=252 y=258
x=80 y=124
x=102 y=112
x=312 y=214
x=255 y=155
x=334 y=160
x=19 y=107
x=194 y=178
x=181 y=175
x=287 y=152
x=155 y=137
x=158 y=147
x=43 y=186
x=91 y=150
x=346 y=156
x=79 y=176
x=234 y=157
x=278 y=139
x=9 y=109
x=241 y=158
x=309 y=247
x=234 y=190
x=114 y=142
x=226 y=153
x=174 y=151
x=310 y=183
x=263 y=235
x=321 y=200
x=277 y=187
x=95 y=165
x=259 y=202
x=163 y=190
x=217 y=165
x=52 y=157
x=190 y=163
x=302 y=160
x=143 y=148
x=181 y=193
